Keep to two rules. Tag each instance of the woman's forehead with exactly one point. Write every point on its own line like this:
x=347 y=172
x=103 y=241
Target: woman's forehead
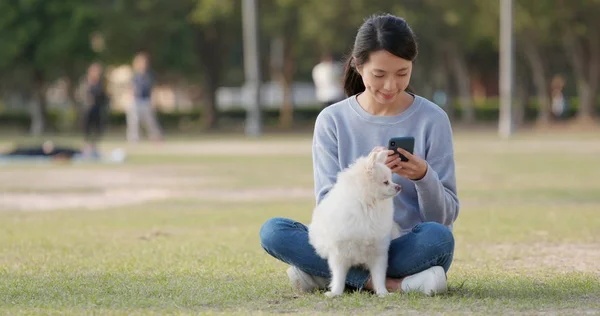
x=384 y=60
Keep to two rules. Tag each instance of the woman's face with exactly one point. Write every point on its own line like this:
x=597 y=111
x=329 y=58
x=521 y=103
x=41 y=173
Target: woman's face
x=385 y=76
x=140 y=64
x=94 y=72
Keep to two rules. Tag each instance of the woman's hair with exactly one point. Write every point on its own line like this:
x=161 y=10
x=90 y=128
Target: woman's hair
x=378 y=32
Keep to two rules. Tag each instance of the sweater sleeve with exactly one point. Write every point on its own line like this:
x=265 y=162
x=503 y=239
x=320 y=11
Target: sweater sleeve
x=325 y=155
x=436 y=191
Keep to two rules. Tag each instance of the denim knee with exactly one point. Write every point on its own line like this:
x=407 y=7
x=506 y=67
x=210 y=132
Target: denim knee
x=440 y=233
x=269 y=232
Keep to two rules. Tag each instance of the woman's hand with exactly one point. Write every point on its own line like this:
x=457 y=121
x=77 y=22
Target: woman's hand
x=414 y=169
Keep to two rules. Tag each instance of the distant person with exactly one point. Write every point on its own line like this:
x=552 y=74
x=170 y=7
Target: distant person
x=96 y=103
x=141 y=109
x=327 y=77
x=559 y=104
x=46 y=150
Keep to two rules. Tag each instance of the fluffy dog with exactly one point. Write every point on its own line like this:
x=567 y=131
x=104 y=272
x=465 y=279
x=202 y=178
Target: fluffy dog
x=353 y=225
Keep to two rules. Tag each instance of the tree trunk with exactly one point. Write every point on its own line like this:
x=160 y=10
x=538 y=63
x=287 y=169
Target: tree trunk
x=210 y=115
x=211 y=53
x=521 y=97
x=593 y=71
x=286 y=115
x=441 y=77
x=586 y=78
x=538 y=71
x=39 y=113
x=72 y=85
x=461 y=74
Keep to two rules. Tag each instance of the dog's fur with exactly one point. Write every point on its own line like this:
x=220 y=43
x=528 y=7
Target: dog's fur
x=353 y=225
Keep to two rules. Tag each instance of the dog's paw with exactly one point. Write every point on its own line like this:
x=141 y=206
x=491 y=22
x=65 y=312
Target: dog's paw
x=383 y=293
x=332 y=294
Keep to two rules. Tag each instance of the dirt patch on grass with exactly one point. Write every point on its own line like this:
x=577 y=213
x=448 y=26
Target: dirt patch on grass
x=133 y=177
x=32 y=202
x=229 y=147
x=44 y=189
x=526 y=257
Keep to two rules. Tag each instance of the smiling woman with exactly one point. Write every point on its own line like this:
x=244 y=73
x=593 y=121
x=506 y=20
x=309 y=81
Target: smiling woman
x=380 y=106
x=386 y=79
x=381 y=65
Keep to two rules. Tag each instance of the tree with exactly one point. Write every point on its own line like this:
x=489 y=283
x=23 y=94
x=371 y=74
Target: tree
x=281 y=19
x=454 y=34
x=581 y=40
x=159 y=28
x=216 y=28
x=534 y=29
x=331 y=26
x=186 y=38
x=44 y=40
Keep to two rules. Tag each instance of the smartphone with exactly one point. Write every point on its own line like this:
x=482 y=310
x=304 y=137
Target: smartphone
x=407 y=143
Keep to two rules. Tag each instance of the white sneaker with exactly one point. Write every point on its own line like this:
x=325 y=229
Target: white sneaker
x=431 y=281
x=305 y=282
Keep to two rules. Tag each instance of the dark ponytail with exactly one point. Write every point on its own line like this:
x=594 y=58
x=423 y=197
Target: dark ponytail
x=353 y=83
x=378 y=32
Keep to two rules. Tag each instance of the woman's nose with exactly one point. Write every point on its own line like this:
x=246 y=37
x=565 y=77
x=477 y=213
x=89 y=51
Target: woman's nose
x=389 y=85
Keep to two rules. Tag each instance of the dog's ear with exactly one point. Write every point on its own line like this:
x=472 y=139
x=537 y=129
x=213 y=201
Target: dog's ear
x=375 y=157
x=381 y=156
x=371 y=160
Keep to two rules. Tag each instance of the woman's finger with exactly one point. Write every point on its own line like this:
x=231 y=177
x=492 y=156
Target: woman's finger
x=396 y=162
x=390 y=159
x=398 y=170
x=406 y=154
x=408 y=165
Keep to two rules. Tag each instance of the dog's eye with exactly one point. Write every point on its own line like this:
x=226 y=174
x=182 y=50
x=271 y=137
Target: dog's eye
x=386 y=182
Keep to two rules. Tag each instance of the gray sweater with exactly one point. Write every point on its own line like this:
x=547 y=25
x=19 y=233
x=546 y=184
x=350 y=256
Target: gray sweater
x=345 y=131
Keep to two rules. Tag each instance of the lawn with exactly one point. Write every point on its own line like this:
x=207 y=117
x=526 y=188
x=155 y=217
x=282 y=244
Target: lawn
x=175 y=230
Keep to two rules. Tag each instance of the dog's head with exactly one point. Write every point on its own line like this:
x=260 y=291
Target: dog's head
x=380 y=176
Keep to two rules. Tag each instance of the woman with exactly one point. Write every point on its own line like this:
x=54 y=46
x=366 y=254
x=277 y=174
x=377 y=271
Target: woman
x=380 y=105
x=97 y=101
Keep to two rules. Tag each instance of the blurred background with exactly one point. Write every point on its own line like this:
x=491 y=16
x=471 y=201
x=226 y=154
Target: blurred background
x=195 y=50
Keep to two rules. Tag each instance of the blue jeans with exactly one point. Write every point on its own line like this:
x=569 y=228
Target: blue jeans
x=428 y=244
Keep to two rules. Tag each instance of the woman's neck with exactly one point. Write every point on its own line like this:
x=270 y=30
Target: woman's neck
x=371 y=106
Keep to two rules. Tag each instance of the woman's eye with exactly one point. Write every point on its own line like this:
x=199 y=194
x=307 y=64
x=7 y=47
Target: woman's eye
x=386 y=182
x=378 y=76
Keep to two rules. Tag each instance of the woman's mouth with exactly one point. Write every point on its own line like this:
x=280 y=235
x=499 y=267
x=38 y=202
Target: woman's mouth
x=387 y=96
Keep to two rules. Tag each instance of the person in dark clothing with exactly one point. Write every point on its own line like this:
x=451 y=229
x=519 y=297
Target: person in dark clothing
x=51 y=152
x=96 y=103
x=46 y=150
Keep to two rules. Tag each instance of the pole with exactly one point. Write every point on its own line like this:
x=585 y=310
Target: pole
x=505 y=125
x=252 y=67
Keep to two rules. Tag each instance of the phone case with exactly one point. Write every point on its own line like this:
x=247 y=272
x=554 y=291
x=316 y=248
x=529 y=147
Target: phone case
x=406 y=143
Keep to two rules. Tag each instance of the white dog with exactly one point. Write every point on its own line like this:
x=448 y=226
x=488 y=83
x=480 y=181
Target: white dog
x=353 y=225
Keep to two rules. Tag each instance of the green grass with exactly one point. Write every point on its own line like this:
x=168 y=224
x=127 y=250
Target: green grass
x=528 y=237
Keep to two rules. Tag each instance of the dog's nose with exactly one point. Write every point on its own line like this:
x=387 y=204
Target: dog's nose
x=398 y=188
